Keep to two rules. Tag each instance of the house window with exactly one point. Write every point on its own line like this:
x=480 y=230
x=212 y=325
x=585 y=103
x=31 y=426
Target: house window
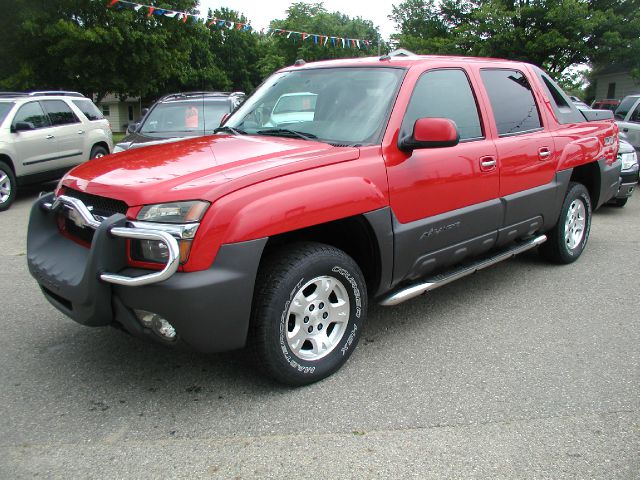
x=105 y=110
x=611 y=90
x=131 y=113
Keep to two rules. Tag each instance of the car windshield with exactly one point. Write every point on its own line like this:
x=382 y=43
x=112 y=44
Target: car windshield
x=185 y=118
x=624 y=107
x=4 y=109
x=341 y=106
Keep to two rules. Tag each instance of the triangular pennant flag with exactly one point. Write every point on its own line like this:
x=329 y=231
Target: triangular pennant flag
x=151 y=9
x=113 y=2
x=137 y=7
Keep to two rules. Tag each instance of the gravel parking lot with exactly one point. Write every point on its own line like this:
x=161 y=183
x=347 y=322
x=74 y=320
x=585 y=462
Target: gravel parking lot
x=525 y=370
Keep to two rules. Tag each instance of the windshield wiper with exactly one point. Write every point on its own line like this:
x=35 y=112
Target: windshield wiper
x=285 y=132
x=235 y=131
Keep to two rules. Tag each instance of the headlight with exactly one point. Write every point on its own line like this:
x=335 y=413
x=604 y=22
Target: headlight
x=179 y=219
x=177 y=212
x=628 y=160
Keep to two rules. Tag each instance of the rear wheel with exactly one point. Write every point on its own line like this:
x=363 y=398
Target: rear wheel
x=98 y=152
x=7 y=186
x=569 y=236
x=309 y=309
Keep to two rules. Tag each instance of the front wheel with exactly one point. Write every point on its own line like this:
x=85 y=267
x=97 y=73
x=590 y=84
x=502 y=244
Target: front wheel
x=568 y=238
x=309 y=308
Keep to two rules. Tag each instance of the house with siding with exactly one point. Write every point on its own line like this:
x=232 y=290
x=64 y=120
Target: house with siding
x=615 y=81
x=120 y=112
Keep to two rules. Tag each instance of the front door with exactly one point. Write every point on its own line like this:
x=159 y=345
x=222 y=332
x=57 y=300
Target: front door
x=445 y=200
x=35 y=149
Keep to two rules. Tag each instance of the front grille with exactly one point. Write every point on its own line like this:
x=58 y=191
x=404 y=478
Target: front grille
x=99 y=206
x=102 y=206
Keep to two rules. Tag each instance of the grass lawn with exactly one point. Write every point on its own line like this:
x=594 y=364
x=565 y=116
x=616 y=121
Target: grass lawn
x=117 y=136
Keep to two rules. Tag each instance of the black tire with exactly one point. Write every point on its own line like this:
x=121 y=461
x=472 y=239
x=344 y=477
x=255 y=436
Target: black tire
x=98 y=151
x=8 y=186
x=621 y=202
x=558 y=247
x=289 y=274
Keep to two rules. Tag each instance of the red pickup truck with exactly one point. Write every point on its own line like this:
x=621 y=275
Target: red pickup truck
x=378 y=180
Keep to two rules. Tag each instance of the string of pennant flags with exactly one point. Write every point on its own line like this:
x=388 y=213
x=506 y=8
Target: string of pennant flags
x=220 y=23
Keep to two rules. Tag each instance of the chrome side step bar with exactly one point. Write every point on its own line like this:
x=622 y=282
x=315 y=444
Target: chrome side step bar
x=448 y=277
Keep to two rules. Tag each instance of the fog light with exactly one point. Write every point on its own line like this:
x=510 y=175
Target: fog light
x=158 y=324
x=163 y=328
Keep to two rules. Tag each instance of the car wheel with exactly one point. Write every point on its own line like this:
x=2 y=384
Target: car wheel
x=7 y=186
x=98 y=152
x=621 y=202
x=569 y=236
x=310 y=305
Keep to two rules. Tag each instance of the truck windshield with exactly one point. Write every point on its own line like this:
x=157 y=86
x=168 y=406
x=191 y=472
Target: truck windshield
x=185 y=118
x=4 y=109
x=341 y=106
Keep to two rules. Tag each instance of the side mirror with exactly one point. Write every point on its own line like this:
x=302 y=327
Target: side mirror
x=23 y=126
x=430 y=133
x=144 y=111
x=132 y=127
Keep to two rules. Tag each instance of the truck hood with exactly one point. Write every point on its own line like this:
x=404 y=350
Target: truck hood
x=204 y=168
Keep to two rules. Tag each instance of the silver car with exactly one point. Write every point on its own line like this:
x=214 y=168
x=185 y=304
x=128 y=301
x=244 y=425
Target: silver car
x=44 y=134
x=627 y=117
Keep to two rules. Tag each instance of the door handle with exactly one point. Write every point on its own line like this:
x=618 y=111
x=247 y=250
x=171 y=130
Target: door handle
x=488 y=163
x=80 y=132
x=625 y=130
x=50 y=137
x=544 y=153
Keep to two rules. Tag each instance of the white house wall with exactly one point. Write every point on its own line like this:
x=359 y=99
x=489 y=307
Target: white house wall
x=625 y=85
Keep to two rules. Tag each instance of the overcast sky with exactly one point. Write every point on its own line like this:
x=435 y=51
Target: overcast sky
x=261 y=13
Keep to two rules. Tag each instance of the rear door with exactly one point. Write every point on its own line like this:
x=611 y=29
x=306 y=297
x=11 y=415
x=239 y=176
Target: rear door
x=35 y=149
x=69 y=131
x=525 y=150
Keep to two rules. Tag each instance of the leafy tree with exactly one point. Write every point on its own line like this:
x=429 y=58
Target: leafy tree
x=551 y=33
x=81 y=45
x=315 y=19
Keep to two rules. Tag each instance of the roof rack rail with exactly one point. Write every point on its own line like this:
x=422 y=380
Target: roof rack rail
x=237 y=94
x=50 y=93
x=12 y=94
x=193 y=94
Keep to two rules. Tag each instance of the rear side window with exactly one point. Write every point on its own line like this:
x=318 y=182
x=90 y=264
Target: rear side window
x=89 y=109
x=4 y=109
x=32 y=113
x=445 y=94
x=512 y=101
x=59 y=112
x=565 y=110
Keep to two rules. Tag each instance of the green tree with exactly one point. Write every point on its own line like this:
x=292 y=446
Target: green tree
x=315 y=19
x=82 y=45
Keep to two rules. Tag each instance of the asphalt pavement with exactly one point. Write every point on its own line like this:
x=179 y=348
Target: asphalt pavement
x=524 y=370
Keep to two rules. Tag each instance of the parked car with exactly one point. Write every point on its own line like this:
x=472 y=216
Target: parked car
x=412 y=173
x=629 y=174
x=180 y=115
x=44 y=134
x=606 y=104
x=627 y=116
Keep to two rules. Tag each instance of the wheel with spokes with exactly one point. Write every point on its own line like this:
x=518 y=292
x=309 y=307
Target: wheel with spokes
x=309 y=308
x=567 y=240
x=7 y=186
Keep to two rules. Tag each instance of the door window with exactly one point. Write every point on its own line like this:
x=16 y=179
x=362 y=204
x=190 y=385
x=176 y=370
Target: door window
x=32 y=113
x=445 y=94
x=635 y=116
x=59 y=112
x=512 y=101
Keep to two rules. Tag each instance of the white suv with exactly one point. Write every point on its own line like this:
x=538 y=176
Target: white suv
x=44 y=134
x=628 y=118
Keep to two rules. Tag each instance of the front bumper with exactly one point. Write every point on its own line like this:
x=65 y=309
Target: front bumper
x=209 y=309
x=628 y=182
